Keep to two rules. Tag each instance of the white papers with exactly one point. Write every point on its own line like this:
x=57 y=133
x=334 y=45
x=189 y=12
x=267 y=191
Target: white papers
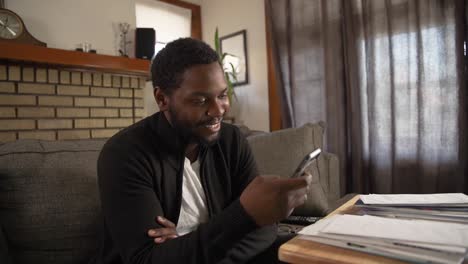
x=421 y=228
x=400 y=229
x=416 y=199
x=434 y=242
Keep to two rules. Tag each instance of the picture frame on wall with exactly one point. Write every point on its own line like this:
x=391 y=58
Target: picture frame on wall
x=235 y=45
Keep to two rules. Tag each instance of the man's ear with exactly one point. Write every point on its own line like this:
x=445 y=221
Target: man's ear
x=161 y=99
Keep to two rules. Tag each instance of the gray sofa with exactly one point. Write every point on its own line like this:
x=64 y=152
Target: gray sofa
x=49 y=205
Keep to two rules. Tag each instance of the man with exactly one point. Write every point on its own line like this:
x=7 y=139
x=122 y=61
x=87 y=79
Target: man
x=181 y=186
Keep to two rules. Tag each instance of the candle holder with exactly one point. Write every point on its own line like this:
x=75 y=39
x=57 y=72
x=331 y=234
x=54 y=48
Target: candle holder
x=123 y=28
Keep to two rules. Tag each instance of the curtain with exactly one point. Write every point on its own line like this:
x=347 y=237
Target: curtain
x=388 y=78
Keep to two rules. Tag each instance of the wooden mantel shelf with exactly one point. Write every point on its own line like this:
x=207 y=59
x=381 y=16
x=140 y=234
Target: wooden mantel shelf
x=72 y=59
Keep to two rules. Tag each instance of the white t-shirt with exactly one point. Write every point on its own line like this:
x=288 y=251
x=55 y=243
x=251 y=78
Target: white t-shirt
x=193 y=210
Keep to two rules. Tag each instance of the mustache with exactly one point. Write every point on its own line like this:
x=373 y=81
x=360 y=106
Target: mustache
x=210 y=121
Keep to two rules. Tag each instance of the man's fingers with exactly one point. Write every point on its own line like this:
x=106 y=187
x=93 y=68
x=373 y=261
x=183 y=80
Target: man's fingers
x=160 y=240
x=159 y=232
x=290 y=184
x=152 y=233
x=295 y=201
x=164 y=221
x=308 y=177
x=299 y=192
x=297 y=197
x=160 y=235
x=270 y=177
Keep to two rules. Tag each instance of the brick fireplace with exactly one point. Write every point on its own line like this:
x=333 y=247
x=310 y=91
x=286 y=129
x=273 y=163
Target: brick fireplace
x=62 y=100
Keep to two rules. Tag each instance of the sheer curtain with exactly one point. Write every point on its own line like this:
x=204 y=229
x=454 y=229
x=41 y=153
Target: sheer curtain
x=389 y=79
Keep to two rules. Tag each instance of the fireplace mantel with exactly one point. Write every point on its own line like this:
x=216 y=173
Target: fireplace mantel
x=24 y=53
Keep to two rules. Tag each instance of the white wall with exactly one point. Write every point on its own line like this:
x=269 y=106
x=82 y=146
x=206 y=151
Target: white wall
x=66 y=23
x=231 y=16
x=170 y=22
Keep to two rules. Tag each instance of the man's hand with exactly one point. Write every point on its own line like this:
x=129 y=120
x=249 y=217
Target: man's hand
x=162 y=234
x=270 y=199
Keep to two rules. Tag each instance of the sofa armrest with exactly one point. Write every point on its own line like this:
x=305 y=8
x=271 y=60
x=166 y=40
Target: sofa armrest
x=279 y=152
x=325 y=187
x=332 y=182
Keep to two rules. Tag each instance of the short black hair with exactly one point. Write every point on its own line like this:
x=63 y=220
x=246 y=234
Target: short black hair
x=172 y=61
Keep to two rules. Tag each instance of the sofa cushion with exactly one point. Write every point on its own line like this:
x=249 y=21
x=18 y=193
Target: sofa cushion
x=49 y=203
x=280 y=152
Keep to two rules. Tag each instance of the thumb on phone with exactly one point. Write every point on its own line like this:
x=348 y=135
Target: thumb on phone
x=289 y=184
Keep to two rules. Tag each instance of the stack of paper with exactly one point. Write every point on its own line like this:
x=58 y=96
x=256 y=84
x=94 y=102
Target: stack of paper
x=410 y=239
x=449 y=207
x=436 y=199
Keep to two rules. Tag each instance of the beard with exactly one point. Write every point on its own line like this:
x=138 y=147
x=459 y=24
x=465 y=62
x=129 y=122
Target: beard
x=188 y=131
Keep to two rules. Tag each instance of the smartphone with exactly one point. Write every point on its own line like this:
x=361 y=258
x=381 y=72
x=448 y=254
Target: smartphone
x=306 y=162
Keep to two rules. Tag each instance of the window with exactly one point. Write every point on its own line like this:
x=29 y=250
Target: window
x=425 y=91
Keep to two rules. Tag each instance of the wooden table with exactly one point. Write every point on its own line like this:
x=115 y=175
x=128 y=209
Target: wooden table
x=299 y=250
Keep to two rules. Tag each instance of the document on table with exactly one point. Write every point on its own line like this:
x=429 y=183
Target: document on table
x=416 y=199
x=400 y=229
x=396 y=240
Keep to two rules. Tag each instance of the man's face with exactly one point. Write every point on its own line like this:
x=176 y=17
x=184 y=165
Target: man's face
x=197 y=107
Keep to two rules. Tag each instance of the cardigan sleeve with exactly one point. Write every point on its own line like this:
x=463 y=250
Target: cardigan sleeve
x=245 y=170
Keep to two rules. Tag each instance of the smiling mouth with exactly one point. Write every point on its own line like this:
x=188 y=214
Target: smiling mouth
x=214 y=125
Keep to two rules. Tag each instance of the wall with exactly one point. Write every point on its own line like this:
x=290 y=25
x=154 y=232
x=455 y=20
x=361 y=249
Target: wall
x=231 y=16
x=170 y=22
x=66 y=23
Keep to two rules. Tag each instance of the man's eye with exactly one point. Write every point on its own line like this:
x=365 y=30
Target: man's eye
x=223 y=96
x=199 y=101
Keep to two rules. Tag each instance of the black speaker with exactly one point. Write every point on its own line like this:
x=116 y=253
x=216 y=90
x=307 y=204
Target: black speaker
x=145 y=39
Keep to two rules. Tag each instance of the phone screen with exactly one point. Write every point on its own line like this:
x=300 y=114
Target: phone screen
x=306 y=162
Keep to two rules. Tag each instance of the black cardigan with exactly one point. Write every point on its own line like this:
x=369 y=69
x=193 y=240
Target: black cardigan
x=140 y=177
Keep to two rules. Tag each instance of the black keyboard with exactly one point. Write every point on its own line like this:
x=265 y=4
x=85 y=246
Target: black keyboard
x=300 y=220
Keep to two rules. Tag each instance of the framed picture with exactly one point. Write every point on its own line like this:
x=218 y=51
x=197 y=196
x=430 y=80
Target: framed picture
x=235 y=45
